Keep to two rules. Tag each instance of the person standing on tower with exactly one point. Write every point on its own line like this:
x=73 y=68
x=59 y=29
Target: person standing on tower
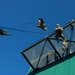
x=72 y=24
x=58 y=32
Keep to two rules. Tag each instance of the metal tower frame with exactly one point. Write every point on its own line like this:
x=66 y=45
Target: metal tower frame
x=41 y=57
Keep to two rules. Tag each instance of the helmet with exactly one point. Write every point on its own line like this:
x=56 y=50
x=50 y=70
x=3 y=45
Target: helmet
x=57 y=25
x=71 y=20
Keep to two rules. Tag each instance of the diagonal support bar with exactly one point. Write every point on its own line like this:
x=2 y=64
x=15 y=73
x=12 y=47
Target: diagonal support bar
x=41 y=54
x=54 y=48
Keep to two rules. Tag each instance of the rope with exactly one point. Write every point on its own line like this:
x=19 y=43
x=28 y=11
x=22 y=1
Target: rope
x=24 y=24
x=23 y=30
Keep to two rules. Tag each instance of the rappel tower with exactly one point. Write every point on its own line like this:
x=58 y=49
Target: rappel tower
x=49 y=57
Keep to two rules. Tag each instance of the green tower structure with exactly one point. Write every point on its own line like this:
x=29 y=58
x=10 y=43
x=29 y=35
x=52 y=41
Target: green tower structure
x=47 y=56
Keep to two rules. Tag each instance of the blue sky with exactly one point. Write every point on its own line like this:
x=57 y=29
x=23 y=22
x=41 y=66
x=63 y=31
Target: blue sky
x=24 y=14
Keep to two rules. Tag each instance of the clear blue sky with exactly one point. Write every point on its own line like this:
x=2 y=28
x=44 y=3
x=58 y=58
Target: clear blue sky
x=24 y=14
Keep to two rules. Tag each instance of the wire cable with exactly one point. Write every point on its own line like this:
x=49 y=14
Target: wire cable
x=29 y=23
x=23 y=24
x=23 y=30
